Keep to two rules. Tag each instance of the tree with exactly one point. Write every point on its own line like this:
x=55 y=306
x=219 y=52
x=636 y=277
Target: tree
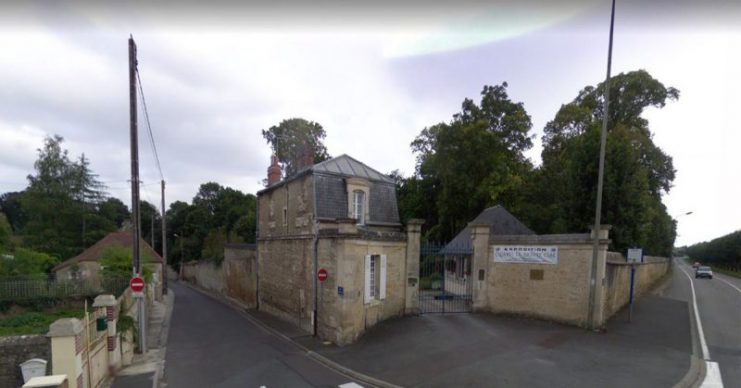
x=10 y=204
x=292 y=139
x=58 y=200
x=6 y=232
x=112 y=209
x=473 y=162
x=637 y=172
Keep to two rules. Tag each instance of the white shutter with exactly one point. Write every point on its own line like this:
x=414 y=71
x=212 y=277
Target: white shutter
x=367 y=279
x=382 y=283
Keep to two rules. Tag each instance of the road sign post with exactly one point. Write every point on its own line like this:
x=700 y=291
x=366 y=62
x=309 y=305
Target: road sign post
x=137 y=285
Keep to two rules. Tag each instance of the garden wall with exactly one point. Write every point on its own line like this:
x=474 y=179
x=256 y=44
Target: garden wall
x=18 y=349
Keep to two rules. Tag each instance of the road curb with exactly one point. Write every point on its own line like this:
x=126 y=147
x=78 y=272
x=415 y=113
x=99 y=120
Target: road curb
x=159 y=375
x=343 y=370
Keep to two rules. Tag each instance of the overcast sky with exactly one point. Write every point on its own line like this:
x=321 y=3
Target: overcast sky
x=374 y=76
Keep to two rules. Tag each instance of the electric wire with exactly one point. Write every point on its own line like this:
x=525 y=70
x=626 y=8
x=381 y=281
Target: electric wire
x=149 y=126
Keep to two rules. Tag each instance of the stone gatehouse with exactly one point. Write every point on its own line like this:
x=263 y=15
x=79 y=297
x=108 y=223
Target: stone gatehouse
x=341 y=216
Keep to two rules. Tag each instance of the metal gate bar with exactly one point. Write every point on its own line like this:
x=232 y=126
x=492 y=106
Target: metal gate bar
x=445 y=284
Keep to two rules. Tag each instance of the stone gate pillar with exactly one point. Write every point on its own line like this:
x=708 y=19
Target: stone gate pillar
x=109 y=303
x=411 y=294
x=66 y=350
x=480 y=266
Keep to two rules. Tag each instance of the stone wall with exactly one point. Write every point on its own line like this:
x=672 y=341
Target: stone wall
x=285 y=286
x=618 y=280
x=18 y=349
x=297 y=199
x=235 y=277
x=556 y=292
x=344 y=318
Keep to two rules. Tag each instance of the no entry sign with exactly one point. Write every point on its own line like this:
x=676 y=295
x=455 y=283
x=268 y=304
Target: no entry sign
x=137 y=284
x=321 y=274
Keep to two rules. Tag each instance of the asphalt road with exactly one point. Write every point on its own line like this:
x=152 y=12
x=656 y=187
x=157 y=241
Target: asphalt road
x=213 y=345
x=719 y=305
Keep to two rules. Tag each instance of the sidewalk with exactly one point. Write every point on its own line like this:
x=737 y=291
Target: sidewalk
x=147 y=369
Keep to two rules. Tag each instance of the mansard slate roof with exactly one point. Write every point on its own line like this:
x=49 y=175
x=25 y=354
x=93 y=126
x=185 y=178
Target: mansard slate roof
x=500 y=222
x=331 y=190
x=346 y=166
x=329 y=177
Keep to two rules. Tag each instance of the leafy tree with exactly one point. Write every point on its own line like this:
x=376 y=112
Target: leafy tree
x=6 y=232
x=149 y=215
x=637 y=172
x=114 y=210
x=472 y=162
x=116 y=262
x=292 y=139
x=724 y=251
x=10 y=204
x=58 y=200
x=25 y=262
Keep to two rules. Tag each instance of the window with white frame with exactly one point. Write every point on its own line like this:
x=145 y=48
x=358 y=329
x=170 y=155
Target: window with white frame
x=375 y=278
x=358 y=206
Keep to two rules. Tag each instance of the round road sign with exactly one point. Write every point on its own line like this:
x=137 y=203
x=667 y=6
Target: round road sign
x=322 y=274
x=137 y=284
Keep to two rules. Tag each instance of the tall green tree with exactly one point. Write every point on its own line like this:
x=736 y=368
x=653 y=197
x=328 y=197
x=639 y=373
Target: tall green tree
x=10 y=204
x=637 y=172
x=61 y=195
x=474 y=161
x=292 y=139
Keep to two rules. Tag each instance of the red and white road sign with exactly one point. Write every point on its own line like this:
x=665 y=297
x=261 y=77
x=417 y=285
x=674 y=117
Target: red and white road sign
x=322 y=274
x=137 y=284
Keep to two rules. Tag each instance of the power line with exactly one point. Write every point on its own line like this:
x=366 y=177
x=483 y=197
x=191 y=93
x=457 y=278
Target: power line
x=149 y=126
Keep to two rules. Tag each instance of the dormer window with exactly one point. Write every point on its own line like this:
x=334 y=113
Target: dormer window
x=358 y=206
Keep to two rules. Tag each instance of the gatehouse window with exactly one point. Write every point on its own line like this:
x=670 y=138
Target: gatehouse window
x=358 y=206
x=375 y=278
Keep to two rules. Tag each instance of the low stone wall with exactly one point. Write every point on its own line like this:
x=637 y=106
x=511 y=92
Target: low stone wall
x=18 y=349
x=617 y=292
x=235 y=277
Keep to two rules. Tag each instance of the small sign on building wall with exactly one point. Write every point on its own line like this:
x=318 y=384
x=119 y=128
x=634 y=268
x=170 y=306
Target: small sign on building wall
x=525 y=254
x=635 y=255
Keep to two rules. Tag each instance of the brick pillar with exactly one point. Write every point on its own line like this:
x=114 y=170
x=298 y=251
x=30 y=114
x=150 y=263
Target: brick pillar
x=480 y=266
x=109 y=303
x=600 y=286
x=66 y=350
x=411 y=294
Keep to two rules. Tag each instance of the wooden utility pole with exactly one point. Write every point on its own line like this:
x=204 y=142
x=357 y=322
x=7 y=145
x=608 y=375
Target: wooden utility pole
x=135 y=206
x=164 y=241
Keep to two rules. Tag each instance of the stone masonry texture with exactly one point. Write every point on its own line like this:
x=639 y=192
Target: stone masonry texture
x=18 y=349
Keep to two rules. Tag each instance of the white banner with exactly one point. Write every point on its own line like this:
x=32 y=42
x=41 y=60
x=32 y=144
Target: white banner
x=525 y=254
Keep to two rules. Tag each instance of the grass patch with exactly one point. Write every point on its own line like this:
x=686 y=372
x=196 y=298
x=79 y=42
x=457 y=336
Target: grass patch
x=736 y=274
x=33 y=322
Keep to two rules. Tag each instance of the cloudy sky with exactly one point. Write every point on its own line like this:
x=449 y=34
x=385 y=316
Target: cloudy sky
x=374 y=76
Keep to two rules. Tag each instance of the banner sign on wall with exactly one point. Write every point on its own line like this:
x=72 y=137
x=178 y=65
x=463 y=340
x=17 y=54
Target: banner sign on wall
x=525 y=254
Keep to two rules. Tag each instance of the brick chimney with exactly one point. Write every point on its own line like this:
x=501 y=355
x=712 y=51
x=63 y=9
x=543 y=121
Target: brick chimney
x=273 y=171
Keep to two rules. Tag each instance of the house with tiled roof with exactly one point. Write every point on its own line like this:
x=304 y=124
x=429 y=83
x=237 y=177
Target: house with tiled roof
x=339 y=216
x=87 y=265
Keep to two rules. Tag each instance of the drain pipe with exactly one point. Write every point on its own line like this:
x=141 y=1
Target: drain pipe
x=315 y=252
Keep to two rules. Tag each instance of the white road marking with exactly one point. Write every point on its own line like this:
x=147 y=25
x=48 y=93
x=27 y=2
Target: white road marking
x=729 y=283
x=712 y=376
x=712 y=369
x=703 y=344
x=350 y=385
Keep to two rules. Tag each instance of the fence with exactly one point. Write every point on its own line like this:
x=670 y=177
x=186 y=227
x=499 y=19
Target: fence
x=25 y=288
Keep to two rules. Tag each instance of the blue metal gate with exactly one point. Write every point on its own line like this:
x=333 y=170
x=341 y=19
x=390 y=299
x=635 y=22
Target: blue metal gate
x=445 y=279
